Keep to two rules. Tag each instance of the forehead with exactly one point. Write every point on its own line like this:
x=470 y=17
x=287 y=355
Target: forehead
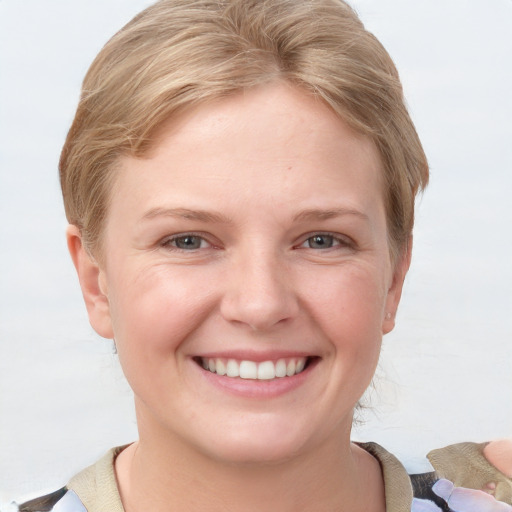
x=274 y=142
x=279 y=108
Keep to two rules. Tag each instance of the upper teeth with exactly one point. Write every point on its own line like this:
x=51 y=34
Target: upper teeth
x=265 y=370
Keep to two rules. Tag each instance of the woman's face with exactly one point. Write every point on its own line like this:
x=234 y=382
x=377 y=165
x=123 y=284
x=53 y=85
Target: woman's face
x=251 y=240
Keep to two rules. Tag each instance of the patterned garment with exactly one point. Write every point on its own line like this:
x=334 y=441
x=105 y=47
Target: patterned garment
x=431 y=495
x=440 y=495
x=62 y=500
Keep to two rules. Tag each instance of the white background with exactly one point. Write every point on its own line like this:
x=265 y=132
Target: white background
x=446 y=371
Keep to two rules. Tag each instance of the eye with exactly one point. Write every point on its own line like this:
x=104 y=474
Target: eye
x=326 y=241
x=187 y=242
x=320 y=241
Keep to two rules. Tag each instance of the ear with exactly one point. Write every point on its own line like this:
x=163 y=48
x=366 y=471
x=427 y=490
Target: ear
x=92 y=282
x=395 y=290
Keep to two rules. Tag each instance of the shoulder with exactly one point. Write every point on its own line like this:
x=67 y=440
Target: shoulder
x=62 y=500
x=92 y=490
x=462 y=480
x=465 y=465
x=97 y=485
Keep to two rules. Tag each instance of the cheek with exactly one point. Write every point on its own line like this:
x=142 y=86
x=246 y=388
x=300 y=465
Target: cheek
x=348 y=307
x=157 y=309
x=349 y=300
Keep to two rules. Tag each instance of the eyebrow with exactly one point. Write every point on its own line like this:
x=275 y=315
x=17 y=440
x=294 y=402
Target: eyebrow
x=331 y=213
x=186 y=213
x=206 y=216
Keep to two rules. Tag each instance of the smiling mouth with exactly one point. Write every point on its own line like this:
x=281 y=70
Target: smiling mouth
x=265 y=370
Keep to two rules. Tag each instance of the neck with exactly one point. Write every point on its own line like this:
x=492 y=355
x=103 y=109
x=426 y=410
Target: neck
x=171 y=475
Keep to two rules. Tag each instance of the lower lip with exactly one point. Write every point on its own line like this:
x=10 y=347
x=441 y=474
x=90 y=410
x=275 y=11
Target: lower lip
x=258 y=389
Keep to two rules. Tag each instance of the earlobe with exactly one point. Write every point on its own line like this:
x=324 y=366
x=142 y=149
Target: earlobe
x=91 y=279
x=395 y=290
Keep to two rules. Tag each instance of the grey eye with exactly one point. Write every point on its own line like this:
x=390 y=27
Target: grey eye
x=320 y=241
x=188 y=242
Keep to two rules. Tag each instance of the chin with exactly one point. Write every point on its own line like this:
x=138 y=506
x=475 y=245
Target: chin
x=272 y=443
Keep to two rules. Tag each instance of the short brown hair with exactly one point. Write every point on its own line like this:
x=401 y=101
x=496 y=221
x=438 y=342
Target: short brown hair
x=179 y=53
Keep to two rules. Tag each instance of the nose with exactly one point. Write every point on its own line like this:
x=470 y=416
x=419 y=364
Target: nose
x=259 y=292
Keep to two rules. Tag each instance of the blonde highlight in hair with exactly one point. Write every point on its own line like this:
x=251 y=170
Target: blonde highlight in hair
x=178 y=54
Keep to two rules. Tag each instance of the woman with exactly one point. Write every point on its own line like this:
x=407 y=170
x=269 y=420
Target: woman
x=240 y=181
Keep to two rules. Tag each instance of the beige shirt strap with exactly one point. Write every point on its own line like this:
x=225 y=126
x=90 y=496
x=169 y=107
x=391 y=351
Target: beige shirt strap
x=97 y=486
x=397 y=483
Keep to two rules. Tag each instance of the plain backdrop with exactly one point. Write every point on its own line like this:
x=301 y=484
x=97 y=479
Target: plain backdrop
x=446 y=371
